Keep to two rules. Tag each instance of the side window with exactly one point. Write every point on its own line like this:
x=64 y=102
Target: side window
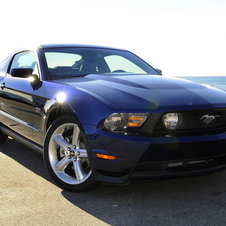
x=24 y=60
x=3 y=65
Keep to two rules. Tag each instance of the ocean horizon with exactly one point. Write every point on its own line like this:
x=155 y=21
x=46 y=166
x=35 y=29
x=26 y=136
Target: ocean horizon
x=216 y=81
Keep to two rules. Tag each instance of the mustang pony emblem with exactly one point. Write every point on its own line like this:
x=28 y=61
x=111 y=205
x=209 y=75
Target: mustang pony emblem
x=209 y=118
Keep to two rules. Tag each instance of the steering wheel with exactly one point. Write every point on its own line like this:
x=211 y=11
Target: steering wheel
x=118 y=71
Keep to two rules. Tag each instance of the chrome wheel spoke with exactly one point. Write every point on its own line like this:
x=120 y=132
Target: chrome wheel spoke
x=79 y=172
x=60 y=141
x=62 y=164
x=75 y=136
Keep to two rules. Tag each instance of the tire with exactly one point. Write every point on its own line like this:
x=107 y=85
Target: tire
x=65 y=156
x=3 y=137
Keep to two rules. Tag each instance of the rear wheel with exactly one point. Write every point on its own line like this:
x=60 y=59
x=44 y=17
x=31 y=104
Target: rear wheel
x=66 y=157
x=3 y=137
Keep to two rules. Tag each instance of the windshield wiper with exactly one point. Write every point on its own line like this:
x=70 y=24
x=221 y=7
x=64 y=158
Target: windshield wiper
x=68 y=77
x=78 y=75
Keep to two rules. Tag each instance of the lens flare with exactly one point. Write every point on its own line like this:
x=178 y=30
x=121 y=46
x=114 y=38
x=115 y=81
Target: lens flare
x=61 y=97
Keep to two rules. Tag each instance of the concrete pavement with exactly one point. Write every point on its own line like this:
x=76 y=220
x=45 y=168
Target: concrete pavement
x=29 y=197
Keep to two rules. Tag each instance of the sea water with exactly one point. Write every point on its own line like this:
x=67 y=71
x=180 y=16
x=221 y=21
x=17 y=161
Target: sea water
x=216 y=81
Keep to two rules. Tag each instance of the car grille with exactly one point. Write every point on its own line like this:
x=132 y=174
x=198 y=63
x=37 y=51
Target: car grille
x=197 y=122
x=197 y=119
x=158 y=170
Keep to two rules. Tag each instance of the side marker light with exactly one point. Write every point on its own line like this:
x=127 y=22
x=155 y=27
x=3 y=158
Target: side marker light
x=108 y=157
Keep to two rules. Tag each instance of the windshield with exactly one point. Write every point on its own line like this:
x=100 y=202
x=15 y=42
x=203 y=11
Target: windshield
x=72 y=62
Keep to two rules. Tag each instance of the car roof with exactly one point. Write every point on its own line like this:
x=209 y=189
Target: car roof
x=47 y=46
x=38 y=48
x=63 y=45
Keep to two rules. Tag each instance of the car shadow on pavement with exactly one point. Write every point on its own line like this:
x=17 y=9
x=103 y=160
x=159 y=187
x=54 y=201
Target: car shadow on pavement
x=186 y=201
x=26 y=157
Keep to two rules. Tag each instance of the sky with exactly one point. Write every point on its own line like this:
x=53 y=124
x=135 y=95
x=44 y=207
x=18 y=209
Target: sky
x=181 y=37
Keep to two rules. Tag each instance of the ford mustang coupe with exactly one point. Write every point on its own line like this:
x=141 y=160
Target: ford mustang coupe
x=103 y=115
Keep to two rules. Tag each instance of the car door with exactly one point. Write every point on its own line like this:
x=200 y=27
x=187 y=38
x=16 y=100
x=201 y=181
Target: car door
x=16 y=101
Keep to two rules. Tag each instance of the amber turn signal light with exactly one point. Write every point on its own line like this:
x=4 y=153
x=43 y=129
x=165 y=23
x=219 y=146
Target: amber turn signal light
x=136 y=121
x=108 y=157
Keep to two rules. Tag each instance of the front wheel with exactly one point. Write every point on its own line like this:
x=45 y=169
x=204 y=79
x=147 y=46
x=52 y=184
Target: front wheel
x=66 y=157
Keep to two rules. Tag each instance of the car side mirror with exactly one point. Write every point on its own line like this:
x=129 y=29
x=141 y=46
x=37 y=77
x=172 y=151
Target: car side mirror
x=26 y=73
x=21 y=72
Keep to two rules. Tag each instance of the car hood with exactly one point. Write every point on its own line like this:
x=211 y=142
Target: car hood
x=149 y=93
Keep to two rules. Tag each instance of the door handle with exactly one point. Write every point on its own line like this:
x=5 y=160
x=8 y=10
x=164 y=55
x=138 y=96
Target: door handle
x=2 y=85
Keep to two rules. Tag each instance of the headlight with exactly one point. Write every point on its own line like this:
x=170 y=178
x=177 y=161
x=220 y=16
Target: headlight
x=114 y=121
x=172 y=121
x=120 y=121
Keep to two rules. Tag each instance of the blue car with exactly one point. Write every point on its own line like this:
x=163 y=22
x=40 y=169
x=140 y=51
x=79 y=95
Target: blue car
x=103 y=115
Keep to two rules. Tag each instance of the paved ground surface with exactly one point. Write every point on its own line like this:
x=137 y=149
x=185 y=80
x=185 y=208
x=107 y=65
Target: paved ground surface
x=29 y=197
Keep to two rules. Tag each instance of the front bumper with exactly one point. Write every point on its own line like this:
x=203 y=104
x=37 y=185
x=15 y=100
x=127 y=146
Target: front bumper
x=142 y=158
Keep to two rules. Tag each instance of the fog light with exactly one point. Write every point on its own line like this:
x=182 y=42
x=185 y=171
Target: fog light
x=172 y=121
